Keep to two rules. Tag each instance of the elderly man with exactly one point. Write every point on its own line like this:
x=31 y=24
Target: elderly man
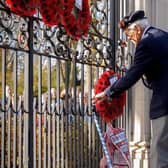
x=151 y=61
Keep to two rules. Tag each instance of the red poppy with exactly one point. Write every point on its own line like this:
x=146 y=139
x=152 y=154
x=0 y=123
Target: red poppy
x=22 y=7
x=75 y=21
x=109 y=110
x=55 y=12
x=51 y=12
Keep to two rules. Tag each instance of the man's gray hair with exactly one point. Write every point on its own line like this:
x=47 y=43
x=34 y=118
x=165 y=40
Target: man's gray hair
x=142 y=23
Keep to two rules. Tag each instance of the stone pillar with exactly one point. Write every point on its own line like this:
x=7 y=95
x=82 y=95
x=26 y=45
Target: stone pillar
x=140 y=145
x=161 y=12
x=141 y=109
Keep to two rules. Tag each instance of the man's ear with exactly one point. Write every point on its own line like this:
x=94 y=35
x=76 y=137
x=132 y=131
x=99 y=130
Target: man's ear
x=138 y=28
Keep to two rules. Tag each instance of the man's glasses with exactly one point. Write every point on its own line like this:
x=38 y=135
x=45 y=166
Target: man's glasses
x=130 y=31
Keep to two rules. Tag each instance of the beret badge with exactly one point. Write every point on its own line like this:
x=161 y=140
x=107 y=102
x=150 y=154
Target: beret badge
x=121 y=24
x=131 y=18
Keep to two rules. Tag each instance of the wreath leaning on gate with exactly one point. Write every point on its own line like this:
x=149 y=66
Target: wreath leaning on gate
x=109 y=109
x=76 y=21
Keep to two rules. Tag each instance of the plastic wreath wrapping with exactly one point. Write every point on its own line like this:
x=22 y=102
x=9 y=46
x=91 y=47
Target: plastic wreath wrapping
x=109 y=109
x=118 y=148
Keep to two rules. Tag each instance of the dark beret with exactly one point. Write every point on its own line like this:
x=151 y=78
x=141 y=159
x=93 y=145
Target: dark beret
x=131 y=18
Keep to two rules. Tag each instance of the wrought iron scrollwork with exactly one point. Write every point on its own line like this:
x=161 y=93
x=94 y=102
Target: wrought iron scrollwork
x=96 y=47
x=123 y=57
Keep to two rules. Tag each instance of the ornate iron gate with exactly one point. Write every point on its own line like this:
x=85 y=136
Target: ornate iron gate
x=46 y=87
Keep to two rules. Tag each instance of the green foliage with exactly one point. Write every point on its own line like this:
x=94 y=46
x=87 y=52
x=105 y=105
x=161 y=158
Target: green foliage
x=67 y=69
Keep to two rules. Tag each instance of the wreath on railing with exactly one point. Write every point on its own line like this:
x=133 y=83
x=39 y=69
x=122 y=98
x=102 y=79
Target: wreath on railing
x=55 y=12
x=23 y=7
x=76 y=21
x=51 y=11
x=109 y=109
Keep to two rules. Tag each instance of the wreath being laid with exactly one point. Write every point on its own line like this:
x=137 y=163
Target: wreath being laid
x=109 y=109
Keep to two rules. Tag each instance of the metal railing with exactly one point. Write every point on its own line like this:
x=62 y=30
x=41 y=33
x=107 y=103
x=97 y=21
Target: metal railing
x=46 y=80
x=46 y=85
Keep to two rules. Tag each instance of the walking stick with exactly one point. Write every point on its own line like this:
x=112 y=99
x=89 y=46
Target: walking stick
x=109 y=161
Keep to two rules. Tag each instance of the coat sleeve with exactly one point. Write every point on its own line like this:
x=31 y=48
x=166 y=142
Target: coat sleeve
x=144 y=57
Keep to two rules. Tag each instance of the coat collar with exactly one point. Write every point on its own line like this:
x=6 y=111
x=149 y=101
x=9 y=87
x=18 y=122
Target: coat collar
x=145 y=31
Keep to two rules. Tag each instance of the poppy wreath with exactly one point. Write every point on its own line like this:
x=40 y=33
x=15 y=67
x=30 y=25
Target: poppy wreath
x=109 y=110
x=55 y=12
x=76 y=21
x=51 y=12
x=23 y=7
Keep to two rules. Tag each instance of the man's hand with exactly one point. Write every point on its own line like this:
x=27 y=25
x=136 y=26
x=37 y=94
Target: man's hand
x=99 y=97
